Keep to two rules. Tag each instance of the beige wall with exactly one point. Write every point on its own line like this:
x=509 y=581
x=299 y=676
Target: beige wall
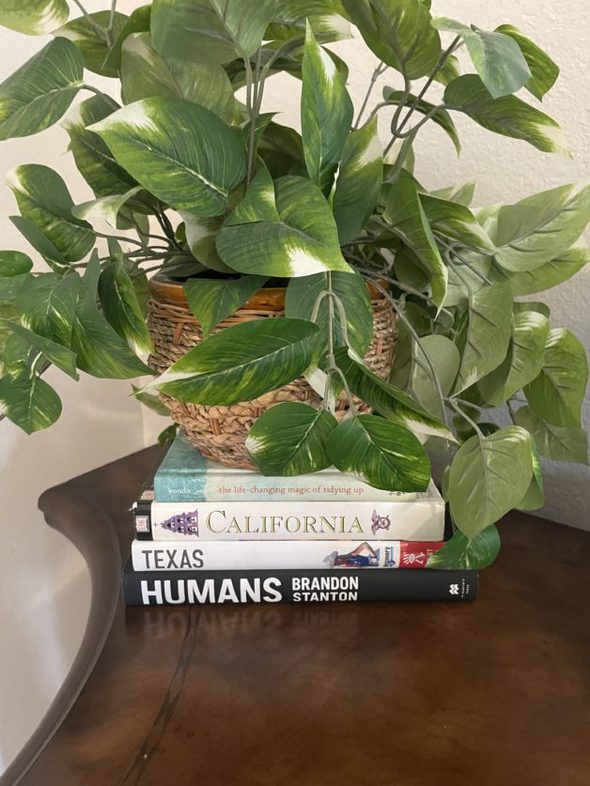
x=43 y=586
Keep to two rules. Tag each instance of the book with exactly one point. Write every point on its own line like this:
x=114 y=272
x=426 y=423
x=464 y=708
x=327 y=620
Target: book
x=153 y=588
x=276 y=554
x=421 y=519
x=185 y=475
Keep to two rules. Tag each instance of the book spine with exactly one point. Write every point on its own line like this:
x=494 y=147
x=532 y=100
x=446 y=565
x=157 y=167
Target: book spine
x=278 y=554
x=150 y=588
x=281 y=520
x=243 y=486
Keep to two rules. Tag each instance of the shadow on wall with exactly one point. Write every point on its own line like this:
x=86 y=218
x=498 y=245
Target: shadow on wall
x=44 y=584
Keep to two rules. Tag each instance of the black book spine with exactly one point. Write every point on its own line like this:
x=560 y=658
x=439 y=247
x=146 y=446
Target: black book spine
x=155 y=588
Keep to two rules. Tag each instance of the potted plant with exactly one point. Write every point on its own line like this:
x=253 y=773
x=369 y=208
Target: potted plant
x=282 y=266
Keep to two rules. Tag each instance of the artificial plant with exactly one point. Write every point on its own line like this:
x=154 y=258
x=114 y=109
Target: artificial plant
x=217 y=192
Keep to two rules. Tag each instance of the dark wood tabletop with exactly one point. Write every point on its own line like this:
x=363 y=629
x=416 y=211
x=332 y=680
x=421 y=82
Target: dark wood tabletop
x=491 y=693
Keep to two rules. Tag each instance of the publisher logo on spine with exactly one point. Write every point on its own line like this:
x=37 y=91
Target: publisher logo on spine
x=453 y=589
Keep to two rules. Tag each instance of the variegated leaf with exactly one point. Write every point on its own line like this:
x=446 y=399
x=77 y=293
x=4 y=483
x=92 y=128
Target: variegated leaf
x=43 y=199
x=535 y=230
x=544 y=71
x=242 y=362
x=94 y=160
x=383 y=454
x=210 y=31
x=407 y=218
x=145 y=73
x=359 y=180
x=391 y=402
x=37 y=94
x=180 y=152
x=399 y=32
x=33 y=17
x=507 y=115
x=84 y=32
x=497 y=57
x=326 y=113
x=290 y=439
x=486 y=336
x=283 y=229
x=28 y=401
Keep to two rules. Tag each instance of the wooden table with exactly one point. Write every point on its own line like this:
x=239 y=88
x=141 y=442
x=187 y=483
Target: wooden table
x=492 y=693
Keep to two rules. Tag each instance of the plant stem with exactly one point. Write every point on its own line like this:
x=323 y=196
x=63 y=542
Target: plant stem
x=381 y=68
x=440 y=63
x=399 y=312
x=97 y=28
x=452 y=403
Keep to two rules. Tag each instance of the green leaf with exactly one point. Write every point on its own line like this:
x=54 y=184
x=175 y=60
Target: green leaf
x=487 y=334
x=201 y=234
x=405 y=214
x=290 y=439
x=93 y=159
x=351 y=289
x=463 y=553
x=544 y=71
x=150 y=401
x=120 y=303
x=37 y=94
x=455 y=222
x=101 y=351
x=41 y=243
x=557 y=394
x=412 y=370
x=560 y=443
x=48 y=304
x=138 y=22
x=33 y=17
x=213 y=299
x=289 y=20
x=326 y=113
x=43 y=199
x=383 y=454
x=94 y=47
x=523 y=362
x=145 y=73
x=14 y=263
x=497 y=57
x=538 y=229
x=507 y=115
x=439 y=116
x=55 y=353
x=535 y=496
x=282 y=229
x=107 y=208
x=462 y=195
x=29 y=402
x=391 y=402
x=242 y=362
x=358 y=184
x=210 y=31
x=180 y=152
x=489 y=476
x=399 y=32
x=550 y=274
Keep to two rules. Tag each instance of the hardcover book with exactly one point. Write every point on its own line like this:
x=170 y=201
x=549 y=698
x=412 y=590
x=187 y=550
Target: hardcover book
x=152 y=588
x=275 y=554
x=185 y=475
x=279 y=519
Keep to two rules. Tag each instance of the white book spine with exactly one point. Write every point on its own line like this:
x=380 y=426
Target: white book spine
x=280 y=554
x=307 y=520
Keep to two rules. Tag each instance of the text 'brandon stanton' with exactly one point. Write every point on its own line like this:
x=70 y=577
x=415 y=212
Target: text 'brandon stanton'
x=256 y=590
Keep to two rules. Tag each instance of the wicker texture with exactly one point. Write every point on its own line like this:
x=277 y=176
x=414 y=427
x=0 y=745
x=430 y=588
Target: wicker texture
x=220 y=432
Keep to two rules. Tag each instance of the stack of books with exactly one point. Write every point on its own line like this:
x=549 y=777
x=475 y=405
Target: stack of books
x=206 y=533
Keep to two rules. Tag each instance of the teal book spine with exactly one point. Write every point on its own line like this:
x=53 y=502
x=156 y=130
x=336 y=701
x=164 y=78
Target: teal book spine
x=185 y=475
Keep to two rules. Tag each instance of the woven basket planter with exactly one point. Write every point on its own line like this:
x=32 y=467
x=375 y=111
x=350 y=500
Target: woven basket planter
x=220 y=432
